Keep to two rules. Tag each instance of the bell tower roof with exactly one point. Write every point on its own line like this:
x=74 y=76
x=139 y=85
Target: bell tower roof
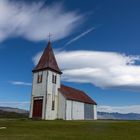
x=47 y=61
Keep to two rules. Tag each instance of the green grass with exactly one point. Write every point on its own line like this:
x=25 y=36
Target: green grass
x=69 y=130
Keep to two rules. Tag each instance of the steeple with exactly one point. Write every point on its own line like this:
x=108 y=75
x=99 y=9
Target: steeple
x=47 y=61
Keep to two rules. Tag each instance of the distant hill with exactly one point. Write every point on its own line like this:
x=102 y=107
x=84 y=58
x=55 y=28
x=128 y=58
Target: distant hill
x=118 y=116
x=10 y=109
x=8 y=112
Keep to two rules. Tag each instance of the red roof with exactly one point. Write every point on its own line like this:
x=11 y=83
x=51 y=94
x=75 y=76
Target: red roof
x=47 y=61
x=75 y=94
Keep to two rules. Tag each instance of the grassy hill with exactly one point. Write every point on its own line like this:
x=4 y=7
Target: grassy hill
x=69 y=130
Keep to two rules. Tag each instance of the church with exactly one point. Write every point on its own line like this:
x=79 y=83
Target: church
x=51 y=100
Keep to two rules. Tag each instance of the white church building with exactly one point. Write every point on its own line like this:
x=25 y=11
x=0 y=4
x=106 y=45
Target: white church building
x=50 y=100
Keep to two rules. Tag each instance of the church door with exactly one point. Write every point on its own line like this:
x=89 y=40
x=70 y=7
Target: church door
x=37 y=108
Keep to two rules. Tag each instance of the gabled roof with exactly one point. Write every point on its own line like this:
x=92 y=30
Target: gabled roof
x=75 y=94
x=47 y=61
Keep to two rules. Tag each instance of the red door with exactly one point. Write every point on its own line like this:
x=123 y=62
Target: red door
x=37 y=108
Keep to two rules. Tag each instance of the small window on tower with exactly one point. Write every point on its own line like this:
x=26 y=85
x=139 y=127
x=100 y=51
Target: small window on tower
x=39 y=78
x=53 y=105
x=54 y=78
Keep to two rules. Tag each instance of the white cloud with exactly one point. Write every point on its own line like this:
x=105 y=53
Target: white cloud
x=103 y=69
x=34 y=21
x=120 y=109
x=80 y=36
x=20 y=83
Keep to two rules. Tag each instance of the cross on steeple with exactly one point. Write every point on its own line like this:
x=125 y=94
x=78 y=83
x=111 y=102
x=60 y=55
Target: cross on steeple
x=49 y=36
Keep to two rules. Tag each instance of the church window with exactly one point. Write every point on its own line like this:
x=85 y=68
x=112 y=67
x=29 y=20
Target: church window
x=53 y=105
x=39 y=78
x=54 y=78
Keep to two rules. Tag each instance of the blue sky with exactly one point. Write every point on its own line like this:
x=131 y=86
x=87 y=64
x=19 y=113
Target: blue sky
x=96 y=44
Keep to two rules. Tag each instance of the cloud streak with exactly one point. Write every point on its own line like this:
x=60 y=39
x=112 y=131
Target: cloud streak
x=19 y=83
x=34 y=21
x=103 y=69
x=79 y=36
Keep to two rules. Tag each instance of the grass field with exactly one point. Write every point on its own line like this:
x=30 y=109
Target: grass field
x=69 y=130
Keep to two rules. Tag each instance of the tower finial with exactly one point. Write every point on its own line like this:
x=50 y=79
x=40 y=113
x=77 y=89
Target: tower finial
x=49 y=36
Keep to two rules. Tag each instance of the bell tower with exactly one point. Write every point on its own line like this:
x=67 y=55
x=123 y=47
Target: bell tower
x=46 y=82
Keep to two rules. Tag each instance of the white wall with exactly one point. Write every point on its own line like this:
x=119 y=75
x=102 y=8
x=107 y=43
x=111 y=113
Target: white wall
x=46 y=89
x=95 y=112
x=39 y=90
x=74 y=110
x=61 y=107
x=52 y=90
x=69 y=110
x=78 y=111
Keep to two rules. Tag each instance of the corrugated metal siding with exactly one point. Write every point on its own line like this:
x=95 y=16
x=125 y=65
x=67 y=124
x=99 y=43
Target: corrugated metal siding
x=88 y=111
